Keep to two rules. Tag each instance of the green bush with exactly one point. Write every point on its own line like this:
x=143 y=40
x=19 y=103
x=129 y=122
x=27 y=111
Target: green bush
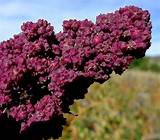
x=146 y=64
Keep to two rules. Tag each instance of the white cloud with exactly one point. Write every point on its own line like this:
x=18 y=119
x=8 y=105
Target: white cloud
x=11 y=8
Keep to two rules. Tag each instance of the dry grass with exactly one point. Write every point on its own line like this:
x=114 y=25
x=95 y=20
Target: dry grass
x=126 y=107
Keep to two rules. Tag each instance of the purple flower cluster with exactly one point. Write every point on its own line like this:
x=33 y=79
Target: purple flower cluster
x=41 y=73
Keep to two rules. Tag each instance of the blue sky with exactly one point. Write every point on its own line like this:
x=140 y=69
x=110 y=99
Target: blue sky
x=14 y=12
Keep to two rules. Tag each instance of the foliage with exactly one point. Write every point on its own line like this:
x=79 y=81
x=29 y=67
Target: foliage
x=42 y=73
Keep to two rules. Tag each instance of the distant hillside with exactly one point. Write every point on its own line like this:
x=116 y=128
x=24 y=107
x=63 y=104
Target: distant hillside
x=155 y=59
x=147 y=64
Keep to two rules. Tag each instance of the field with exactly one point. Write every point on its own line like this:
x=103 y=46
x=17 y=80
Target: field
x=126 y=107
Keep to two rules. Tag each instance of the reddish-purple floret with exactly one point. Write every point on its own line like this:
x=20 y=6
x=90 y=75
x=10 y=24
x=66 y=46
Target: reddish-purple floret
x=41 y=73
